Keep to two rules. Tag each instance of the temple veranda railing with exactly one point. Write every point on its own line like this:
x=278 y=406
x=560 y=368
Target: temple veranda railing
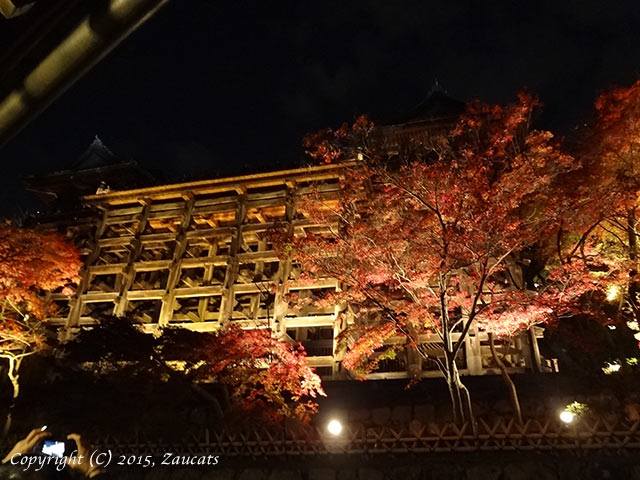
x=198 y=255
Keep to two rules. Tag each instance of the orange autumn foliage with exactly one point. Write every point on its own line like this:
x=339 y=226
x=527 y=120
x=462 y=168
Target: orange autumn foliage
x=31 y=264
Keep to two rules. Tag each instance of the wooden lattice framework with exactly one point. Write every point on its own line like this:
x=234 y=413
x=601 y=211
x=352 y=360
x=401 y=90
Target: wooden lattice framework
x=500 y=435
x=197 y=255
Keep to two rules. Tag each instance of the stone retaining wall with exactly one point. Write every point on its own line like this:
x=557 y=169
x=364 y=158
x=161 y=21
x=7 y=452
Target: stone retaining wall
x=512 y=466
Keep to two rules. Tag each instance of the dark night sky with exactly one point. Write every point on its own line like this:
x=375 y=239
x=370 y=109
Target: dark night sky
x=217 y=88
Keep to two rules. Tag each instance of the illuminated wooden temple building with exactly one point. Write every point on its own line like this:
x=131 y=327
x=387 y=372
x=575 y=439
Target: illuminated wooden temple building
x=196 y=255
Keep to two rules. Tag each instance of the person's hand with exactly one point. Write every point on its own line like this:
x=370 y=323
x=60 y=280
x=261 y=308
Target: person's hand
x=27 y=444
x=81 y=463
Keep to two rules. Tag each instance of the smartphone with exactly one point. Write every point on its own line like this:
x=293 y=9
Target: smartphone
x=54 y=448
x=58 y=448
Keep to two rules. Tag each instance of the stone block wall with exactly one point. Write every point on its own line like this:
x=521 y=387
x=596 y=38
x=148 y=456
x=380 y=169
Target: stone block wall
x=491 y=466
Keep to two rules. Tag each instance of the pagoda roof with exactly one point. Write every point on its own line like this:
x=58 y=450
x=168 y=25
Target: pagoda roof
x=438 y=105
x=96 y=164
x=97 y=155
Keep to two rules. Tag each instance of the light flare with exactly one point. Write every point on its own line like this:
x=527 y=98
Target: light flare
x=334 y=427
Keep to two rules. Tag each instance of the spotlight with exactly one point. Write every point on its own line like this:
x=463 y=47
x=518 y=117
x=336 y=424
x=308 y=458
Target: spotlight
x=567 y=417
x=612 y=292
x=334 y=427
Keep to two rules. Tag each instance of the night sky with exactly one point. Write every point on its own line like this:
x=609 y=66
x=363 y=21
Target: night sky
x=209 y=88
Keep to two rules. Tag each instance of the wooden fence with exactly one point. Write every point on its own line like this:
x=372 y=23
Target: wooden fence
x=499 y=435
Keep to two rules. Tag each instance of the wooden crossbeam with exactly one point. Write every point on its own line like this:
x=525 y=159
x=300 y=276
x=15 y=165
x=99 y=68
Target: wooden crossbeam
x=249 y=182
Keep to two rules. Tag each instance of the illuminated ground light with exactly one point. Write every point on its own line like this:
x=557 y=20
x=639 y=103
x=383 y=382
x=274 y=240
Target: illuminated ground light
x=567 y=417
x=612 y=292
x=610 y=368
x=334 y=427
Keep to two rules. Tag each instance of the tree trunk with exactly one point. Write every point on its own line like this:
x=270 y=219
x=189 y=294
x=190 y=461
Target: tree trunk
x=211 y=399
x=13 y=372
x=14 y=376
x=461 y=400
x=456 y=399
x=454 y=404
x=631 y=231
x=467 y=403
x=632 y=288
x=513 y=393
x=7 y=423
x=459 y=393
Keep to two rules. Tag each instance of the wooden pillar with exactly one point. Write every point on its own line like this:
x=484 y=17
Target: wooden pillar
x=473 y=351
x=280 y=305
x=337 y=329
x=228 y=295
x=532 y=352
x=203 y=303
x=169 y=296
x=257 y=275
x=76 y=303
x=128 y=272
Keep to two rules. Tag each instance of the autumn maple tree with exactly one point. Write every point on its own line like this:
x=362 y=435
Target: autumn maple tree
x=602 y=229
x=31 y=264
x=263 y=376
x=430 y=243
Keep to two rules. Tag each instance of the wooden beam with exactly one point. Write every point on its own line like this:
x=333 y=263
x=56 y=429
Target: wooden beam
x=95 y=297
x=322 y=361
x=261 y=180
x=213 y=260
x=128 y=273
x=228 y=295
x=203 y=304
x=145 y=294
x=76 y=304
x=169 y=297
x=192 y=292
x=309 y=321
x=280 y=304
x=106 y=269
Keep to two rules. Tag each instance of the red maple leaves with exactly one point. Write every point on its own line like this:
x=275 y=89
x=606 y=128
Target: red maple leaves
x=434 y=240
x=31 y=263
x=265 y=375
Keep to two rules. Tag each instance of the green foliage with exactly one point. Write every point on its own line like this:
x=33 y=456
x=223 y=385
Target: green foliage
x=577 y=408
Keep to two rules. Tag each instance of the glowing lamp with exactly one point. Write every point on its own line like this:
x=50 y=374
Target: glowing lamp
x=334 y=427
x=567 y=417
